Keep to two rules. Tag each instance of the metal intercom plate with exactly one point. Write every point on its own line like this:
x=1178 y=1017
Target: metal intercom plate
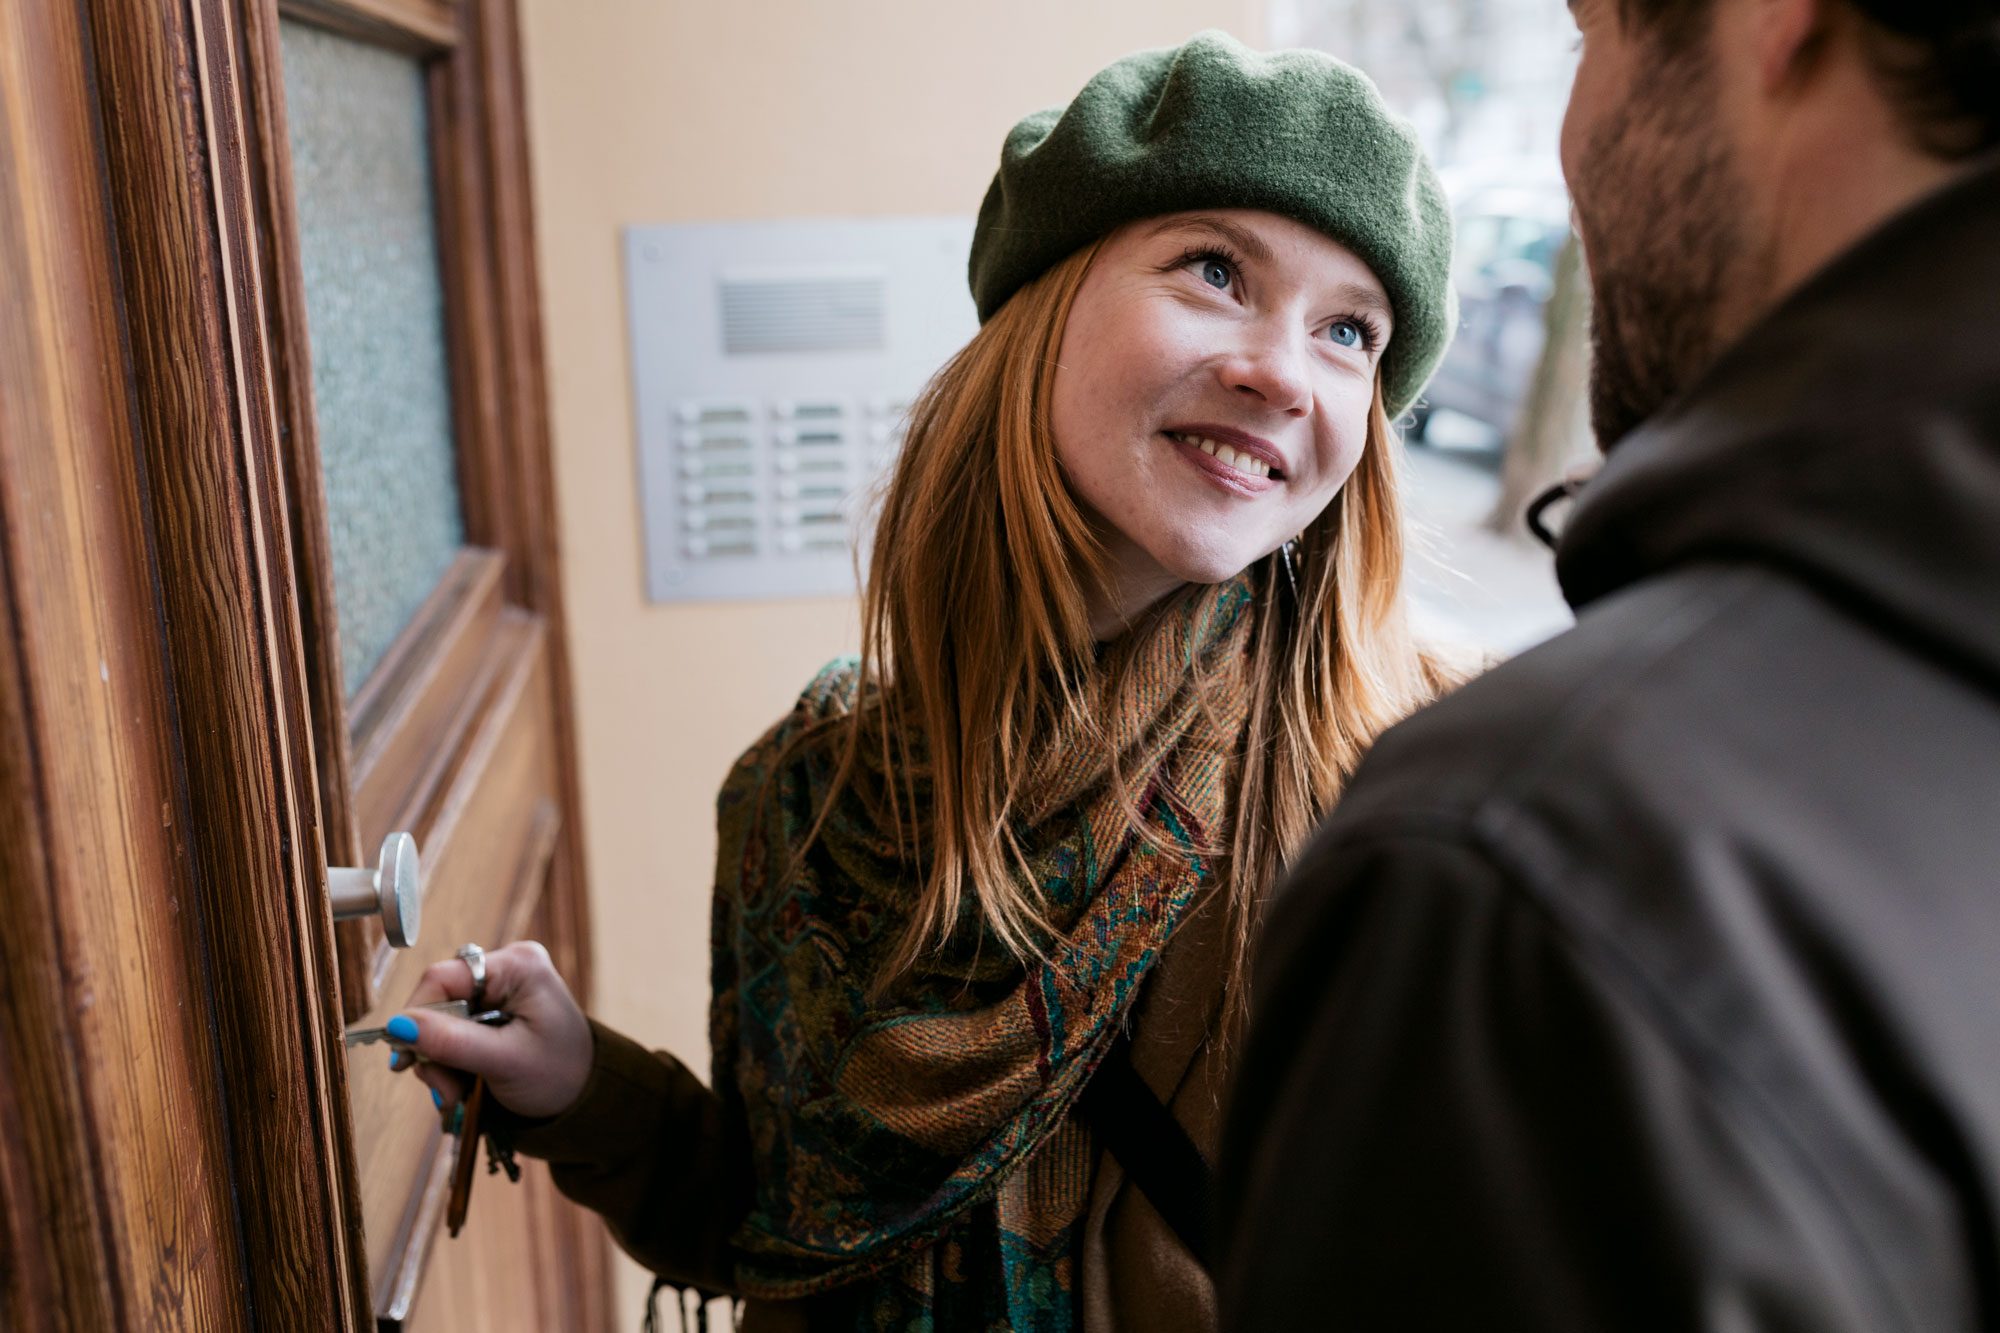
x=773 y=364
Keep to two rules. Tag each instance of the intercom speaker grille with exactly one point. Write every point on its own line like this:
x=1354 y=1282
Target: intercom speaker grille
x=774 y=363
x=804 y=312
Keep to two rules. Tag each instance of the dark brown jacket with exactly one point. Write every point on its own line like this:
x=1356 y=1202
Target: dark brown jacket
x=1652 y=981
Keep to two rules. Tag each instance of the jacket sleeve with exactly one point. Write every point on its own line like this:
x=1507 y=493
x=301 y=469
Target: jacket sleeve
x=651 y=1148
x=1450 y=1114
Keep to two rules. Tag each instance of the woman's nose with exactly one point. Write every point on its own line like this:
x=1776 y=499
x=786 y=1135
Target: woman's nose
x=1272 y=365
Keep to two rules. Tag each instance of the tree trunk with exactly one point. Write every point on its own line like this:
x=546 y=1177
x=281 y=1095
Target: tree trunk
x=1554 y=428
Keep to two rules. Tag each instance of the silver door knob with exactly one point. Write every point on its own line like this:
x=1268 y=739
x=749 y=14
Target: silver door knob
x=394 y=888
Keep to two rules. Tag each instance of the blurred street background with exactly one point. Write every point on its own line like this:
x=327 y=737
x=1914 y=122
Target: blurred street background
x=1484 y=81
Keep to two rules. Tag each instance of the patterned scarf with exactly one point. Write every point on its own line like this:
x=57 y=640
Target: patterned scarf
x=915 y=1159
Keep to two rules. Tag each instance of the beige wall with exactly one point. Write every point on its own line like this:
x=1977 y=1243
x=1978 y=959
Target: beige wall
x=670 y=110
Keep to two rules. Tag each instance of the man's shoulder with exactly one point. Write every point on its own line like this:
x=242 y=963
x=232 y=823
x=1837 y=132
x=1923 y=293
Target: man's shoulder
x=1558 y=797
x=1561 y=717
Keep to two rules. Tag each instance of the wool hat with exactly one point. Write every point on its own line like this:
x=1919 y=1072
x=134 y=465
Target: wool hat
x=1213 y=124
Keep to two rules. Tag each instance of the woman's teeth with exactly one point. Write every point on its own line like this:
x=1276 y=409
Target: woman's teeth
x=1247 y=463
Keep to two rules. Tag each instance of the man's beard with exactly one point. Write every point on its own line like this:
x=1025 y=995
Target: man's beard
x=1660 y=210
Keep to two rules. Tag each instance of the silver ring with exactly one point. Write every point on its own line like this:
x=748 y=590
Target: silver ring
x=474 y=958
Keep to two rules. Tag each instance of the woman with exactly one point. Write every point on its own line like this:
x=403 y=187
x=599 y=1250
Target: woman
x=1133 y=615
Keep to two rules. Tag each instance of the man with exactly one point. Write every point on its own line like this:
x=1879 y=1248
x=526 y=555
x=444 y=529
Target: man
x=1652 y=981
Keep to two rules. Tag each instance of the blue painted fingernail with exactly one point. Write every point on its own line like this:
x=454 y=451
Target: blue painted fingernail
x=437 y=1099
x=402 y=1027
x=397 y=1059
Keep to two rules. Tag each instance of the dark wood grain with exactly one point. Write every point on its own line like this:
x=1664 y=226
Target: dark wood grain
x=397 y=1288
x=479 y=833
x=428 y=804
x=180 y=1143
x=464 y=1286
x=173 y=94
x=145 y=1103
x=534 y=1294
x=417 y=709
x=458 y=606
x=115 y=1207
x=268 y=152
x=485 y=468
x=423 y=27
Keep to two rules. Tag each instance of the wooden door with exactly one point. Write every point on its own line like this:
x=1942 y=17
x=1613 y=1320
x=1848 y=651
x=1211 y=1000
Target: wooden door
x=203 y=704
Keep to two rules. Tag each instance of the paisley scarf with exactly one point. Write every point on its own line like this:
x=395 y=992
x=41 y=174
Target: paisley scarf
x=916 y=1161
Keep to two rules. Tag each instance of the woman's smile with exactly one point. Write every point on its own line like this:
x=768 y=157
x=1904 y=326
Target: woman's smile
x=1242 y=465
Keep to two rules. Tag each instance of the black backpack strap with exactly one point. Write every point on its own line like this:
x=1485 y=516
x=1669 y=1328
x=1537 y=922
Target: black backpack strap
x=1150 y=1144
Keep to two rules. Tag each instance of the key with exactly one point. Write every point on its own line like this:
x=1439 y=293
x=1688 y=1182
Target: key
x=456 y=1008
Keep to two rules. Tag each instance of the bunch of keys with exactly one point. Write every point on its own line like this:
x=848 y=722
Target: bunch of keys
x=465 y=1120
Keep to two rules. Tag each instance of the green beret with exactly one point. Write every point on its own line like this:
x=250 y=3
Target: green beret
x=1213 y=124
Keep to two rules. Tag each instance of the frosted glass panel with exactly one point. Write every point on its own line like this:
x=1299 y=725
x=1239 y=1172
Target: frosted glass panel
x=361 y=170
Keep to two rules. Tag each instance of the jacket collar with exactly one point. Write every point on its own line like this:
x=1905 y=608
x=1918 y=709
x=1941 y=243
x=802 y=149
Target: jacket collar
x=1851 y=438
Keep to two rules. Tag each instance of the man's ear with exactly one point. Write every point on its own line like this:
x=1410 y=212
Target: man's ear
x=1790 y=37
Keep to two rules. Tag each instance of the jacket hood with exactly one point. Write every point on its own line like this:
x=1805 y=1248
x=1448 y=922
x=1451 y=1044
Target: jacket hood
x=1850 y=439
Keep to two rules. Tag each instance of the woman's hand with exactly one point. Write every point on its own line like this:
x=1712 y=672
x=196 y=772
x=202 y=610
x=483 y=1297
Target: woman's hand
x=536 y=1064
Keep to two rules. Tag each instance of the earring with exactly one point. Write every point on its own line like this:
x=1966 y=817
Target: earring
x=1291 y=575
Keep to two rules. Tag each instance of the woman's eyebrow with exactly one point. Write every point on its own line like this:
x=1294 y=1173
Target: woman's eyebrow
x=1253 y=248
x=1242 y=238
x=1367 y=298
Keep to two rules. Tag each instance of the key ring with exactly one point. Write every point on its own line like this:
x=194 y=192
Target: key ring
x=474 y=958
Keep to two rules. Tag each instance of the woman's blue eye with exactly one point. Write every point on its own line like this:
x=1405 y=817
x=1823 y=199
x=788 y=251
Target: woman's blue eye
x=1215 y=273
x=1346 y=332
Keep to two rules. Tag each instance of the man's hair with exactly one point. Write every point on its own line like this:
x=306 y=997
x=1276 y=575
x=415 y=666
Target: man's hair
x=1939 y=60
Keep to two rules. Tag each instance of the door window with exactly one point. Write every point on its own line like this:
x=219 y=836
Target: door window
x=375 y=307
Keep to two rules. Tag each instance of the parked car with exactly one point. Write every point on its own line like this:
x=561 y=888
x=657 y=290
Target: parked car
x=1504 y=265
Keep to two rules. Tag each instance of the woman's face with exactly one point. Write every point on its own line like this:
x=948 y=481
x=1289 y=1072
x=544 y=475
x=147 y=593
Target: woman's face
x=1213 y=393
